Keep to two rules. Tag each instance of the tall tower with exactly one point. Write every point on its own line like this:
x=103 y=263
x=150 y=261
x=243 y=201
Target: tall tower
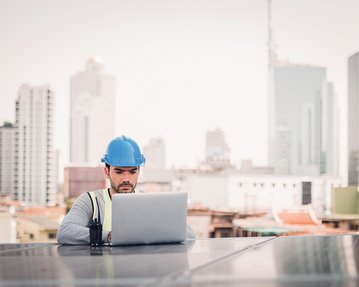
x=35 y=162
x=353 y=119
x=303 y=137
x=282 y=132
x=92 y=113
x=7 y=157
x=302 y=117
x=272 y=56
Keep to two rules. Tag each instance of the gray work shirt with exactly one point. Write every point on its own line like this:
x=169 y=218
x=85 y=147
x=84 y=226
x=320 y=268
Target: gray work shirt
x=74 y=228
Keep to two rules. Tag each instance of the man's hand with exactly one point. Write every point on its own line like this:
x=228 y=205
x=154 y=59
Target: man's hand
x=109 y=237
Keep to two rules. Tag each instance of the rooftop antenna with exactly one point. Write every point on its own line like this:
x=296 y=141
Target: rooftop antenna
x=272 y=56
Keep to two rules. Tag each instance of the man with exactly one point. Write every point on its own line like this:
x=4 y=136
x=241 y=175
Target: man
x=122 y=160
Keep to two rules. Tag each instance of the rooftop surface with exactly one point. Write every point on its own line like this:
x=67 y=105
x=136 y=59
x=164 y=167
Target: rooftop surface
x=327 y=260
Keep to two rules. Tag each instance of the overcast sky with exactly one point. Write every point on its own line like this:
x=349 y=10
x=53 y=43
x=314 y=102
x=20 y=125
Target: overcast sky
x=182 y=67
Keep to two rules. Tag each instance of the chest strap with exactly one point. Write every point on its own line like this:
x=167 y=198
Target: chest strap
x=107 y=216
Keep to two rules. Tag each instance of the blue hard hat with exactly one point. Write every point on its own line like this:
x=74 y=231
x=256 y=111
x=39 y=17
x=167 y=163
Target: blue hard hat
x=123 y=151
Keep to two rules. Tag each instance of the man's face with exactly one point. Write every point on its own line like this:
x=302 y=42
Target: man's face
x=122 y=179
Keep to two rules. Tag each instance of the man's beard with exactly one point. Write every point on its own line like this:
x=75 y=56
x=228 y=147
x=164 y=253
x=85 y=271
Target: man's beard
x=116 y=188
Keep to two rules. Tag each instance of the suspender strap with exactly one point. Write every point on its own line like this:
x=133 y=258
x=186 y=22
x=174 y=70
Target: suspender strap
x=107 y=221
x=107 y=216
x=94 y=204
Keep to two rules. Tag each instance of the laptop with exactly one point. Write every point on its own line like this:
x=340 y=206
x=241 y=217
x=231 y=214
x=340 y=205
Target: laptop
x=147 y=218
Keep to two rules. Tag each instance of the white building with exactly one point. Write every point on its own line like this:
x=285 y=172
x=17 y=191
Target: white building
x=7 y=224
x=35 y=169
x=7 y=158
x=251 y=193
x=92 y=113
x=353 y=119
x=206 y=189
x=303 y=133
x=257 y=193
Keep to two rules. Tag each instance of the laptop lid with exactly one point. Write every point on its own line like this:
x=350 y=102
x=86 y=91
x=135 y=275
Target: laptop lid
x=145 y=218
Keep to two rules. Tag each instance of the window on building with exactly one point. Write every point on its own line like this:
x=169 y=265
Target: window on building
x=52 y=235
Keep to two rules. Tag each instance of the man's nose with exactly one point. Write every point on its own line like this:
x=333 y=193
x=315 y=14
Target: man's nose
x=126 y=176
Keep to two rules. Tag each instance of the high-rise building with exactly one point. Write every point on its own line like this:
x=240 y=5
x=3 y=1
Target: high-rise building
x=154 y=152
x=302 y=123
x=35 y=163
x=329 y=132
x=217 y=150
x=353 y=119
x=7 y=158
x=92 y=113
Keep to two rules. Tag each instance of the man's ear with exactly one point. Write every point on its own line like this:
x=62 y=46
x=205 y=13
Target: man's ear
x=106 y=170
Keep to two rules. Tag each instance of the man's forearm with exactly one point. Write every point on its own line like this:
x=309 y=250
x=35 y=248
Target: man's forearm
x=72 y=233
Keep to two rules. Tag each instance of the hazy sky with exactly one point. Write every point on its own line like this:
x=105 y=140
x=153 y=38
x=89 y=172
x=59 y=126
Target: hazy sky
x=182 y=67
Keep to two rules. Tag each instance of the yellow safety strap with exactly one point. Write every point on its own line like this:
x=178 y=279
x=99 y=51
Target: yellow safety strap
x=107 y=221
x=94 y=204
x=107 y=217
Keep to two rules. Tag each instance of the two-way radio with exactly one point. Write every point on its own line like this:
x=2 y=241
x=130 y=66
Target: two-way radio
x=96 y=229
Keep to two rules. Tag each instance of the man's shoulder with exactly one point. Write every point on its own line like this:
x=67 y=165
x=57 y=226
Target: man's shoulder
x=82 y=197
x=85 y=196
x=97 y=193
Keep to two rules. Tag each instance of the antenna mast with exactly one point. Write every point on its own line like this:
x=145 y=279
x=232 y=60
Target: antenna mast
x=271 y=53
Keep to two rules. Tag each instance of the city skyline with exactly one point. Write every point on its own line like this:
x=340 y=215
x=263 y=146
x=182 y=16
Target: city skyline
x=181 y=68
